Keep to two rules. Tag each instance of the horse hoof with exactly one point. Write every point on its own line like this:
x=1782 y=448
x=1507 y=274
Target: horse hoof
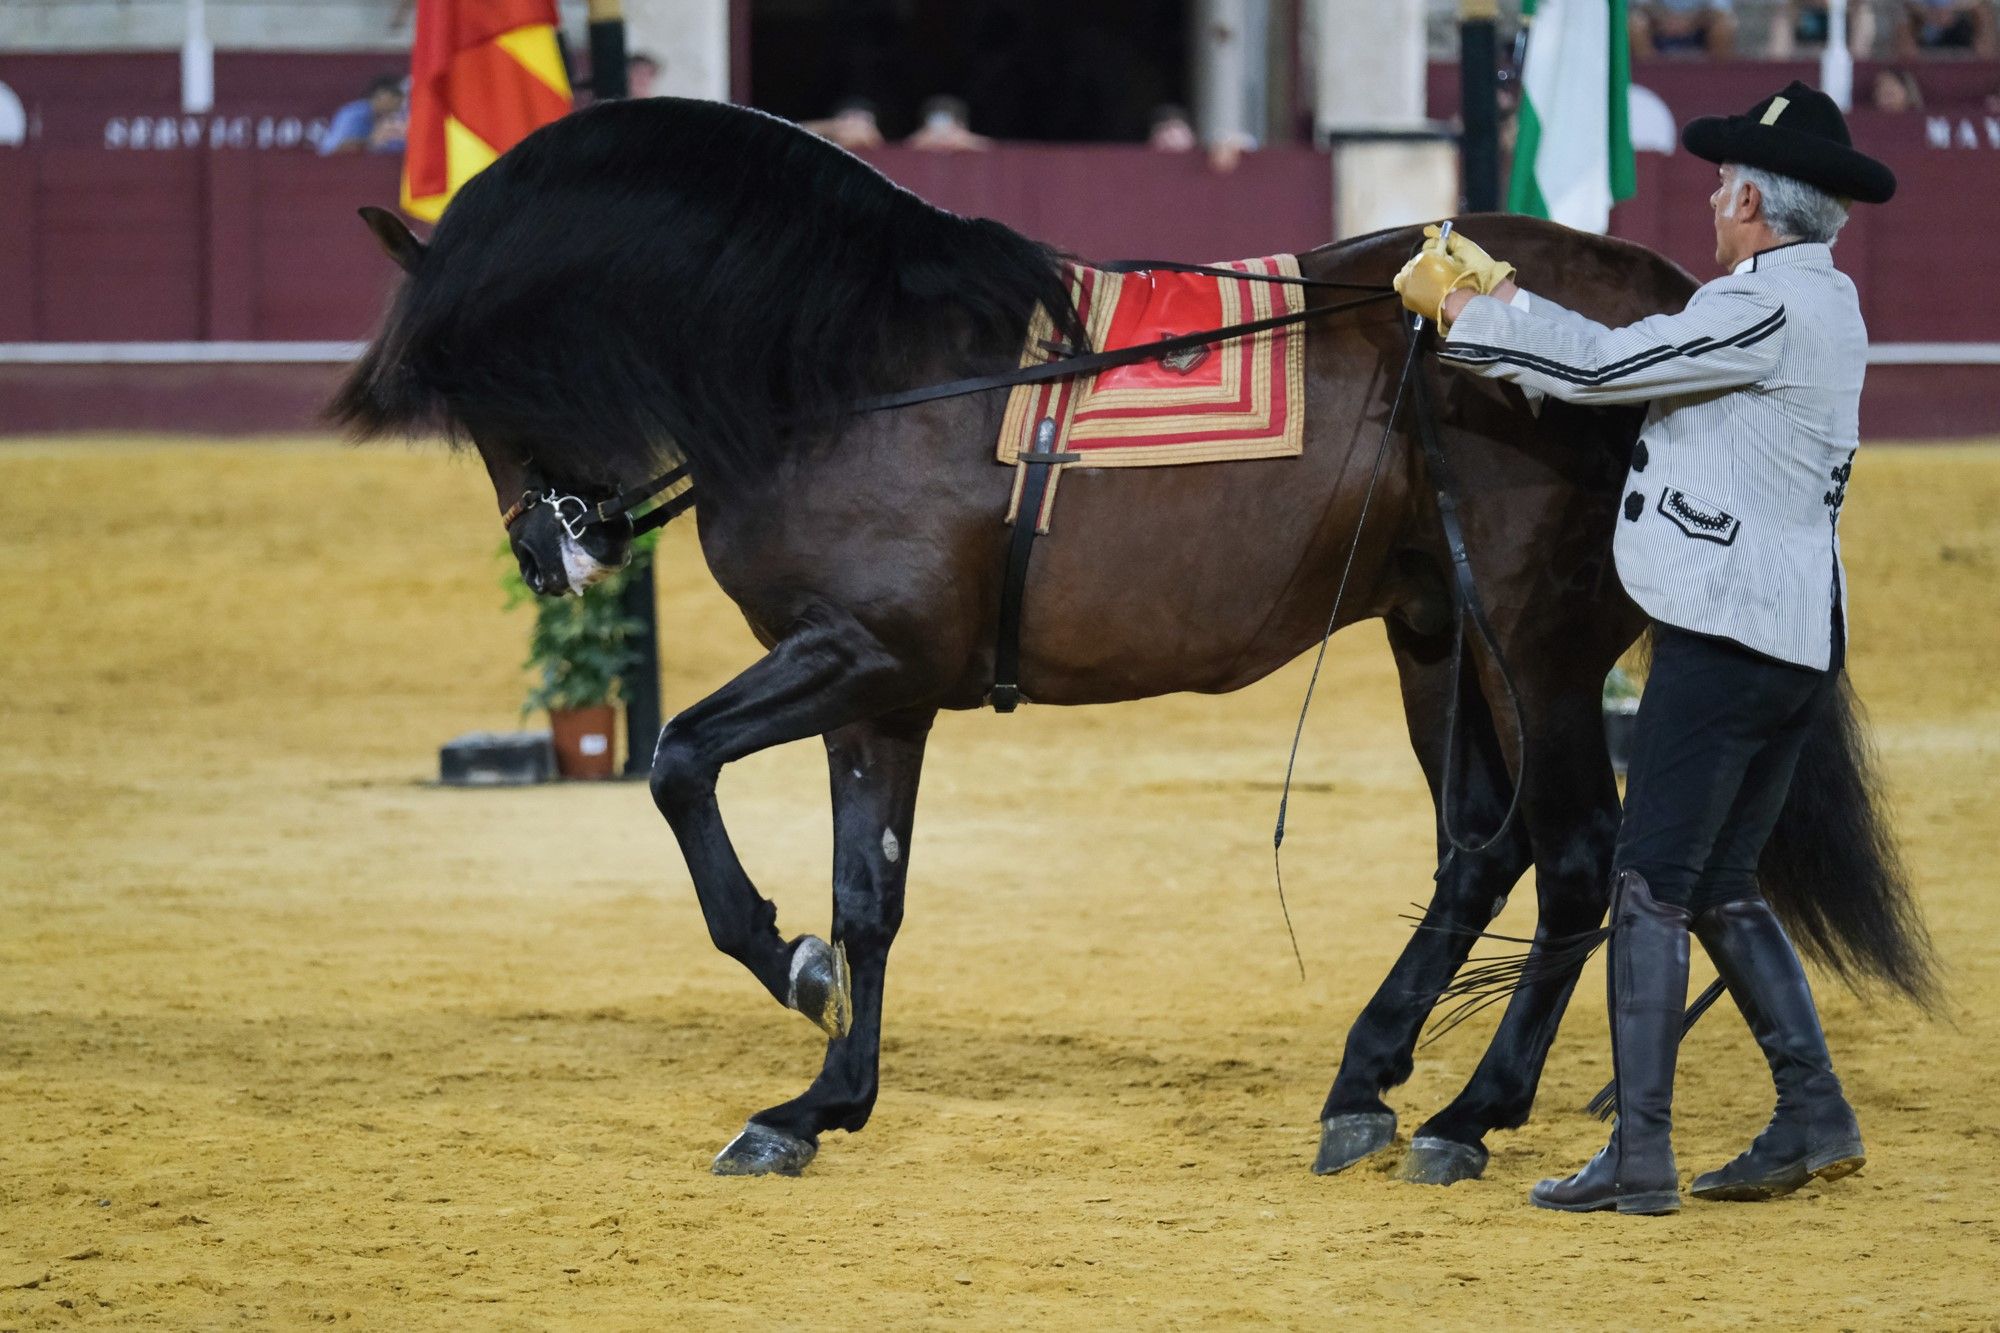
x=1346 y=1139
x=1434 y=1161
x=821 y=989
x=762 y=1151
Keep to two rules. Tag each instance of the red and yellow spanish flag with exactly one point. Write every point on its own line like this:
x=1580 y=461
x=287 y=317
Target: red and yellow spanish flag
x=483 y=74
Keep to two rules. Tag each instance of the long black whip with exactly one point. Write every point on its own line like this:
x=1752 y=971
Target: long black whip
x=1333 y=619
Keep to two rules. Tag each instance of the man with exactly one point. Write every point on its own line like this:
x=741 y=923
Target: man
x=852 y=125
x=1728 y=538
x=1946 y=25
x=1803 y=27
x=372 y=123
x=944 y=125
x=642 y=75
x=1673 y=27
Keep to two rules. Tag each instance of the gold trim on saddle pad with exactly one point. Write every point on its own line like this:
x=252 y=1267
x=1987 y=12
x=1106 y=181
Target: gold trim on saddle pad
x=1247 y=402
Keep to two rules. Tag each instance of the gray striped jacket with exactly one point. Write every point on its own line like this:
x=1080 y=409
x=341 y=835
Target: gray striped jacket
x=1731 y=515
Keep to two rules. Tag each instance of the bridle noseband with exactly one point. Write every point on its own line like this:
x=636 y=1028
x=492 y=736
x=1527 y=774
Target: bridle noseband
x=529 y=500
x=575 y=513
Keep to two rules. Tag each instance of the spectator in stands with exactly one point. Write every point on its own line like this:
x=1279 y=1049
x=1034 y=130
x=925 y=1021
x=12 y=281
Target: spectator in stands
x=1172 y=131
x=852 y=125
x=945 y=127
x=1895 y=90
x=375 y=122
x=1946 y=25
x=1227 y=148
x=642 y=73
x=1802 y=26
x=1682 y=27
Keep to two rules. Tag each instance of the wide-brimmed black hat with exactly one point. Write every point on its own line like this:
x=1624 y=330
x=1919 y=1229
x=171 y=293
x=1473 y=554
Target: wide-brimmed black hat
x=1798 y=133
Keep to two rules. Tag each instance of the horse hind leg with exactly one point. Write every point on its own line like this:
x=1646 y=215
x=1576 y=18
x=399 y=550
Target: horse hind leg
x=874 y=767
x=1470 y=888
x=1570 y=807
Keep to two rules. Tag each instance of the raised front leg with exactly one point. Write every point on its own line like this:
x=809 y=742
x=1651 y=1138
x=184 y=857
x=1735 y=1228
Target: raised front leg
x=874 y=767
x=1470 y=890
x=827 y=672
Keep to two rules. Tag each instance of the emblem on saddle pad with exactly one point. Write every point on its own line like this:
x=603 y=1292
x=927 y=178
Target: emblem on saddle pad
x=1187 y=359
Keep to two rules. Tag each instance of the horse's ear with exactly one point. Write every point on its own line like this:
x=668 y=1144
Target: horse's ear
x=397 y=240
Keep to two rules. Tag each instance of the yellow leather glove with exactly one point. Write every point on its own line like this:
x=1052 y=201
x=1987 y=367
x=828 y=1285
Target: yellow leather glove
x=1426 y=280
x=1488 y=272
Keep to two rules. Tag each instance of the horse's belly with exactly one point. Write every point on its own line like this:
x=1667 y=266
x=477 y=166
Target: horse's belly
x=1155 y=581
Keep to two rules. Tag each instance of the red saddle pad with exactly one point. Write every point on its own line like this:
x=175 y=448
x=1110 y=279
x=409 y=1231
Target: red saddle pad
x=1236 y=399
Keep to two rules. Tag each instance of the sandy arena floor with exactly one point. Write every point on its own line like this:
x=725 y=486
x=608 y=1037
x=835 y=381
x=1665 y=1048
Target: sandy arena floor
x=288 y=1037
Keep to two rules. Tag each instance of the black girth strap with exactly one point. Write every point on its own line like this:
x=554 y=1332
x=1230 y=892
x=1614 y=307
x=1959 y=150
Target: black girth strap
x=1039 y=461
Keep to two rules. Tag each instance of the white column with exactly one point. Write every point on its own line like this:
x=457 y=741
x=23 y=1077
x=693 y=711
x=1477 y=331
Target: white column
x=689 y=37
x=1836 y=65
x=1368 y=61
x=1231 y=46
x=197 y=62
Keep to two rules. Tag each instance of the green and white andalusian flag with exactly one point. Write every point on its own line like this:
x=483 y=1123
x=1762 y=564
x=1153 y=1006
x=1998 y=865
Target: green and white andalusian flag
x=1573 y=153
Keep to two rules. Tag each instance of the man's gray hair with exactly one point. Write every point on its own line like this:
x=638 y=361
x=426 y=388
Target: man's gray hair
x=1793 y=209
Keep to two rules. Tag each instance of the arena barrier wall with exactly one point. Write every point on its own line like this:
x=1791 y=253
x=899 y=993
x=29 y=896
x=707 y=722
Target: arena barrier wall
x=123 y=223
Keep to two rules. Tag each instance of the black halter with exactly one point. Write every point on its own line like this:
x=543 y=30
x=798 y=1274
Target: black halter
x=575 y=513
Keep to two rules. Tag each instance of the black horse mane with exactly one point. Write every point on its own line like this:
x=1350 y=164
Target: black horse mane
x=661 y=281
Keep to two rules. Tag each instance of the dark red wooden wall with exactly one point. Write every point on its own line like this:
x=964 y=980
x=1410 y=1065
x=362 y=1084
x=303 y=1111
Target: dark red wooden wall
x=229 y=241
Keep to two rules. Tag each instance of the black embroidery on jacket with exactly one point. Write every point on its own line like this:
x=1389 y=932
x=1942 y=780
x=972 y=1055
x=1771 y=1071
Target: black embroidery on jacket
x=1837 y=497
x=1698 y=518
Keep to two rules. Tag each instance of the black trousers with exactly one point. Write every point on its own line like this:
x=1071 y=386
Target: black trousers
x=1713 y=750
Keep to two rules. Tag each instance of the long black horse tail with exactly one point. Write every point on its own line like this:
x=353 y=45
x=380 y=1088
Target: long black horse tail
x=1832 y=871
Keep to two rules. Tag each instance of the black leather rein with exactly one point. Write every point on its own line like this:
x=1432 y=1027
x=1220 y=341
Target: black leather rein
x=575 y=513
x=1090 y=363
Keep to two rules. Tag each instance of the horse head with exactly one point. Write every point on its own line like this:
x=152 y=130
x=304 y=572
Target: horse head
x=558 y=536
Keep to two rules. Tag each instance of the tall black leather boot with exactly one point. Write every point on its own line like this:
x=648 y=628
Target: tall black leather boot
x=1647 y=978
x=1813 y=1132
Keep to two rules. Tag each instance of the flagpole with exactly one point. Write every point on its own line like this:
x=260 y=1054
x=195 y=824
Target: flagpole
x=1479 y=103
x=607 y=49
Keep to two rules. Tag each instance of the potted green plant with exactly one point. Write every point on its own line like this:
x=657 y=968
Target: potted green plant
x=1621 y=714
x=579 y=650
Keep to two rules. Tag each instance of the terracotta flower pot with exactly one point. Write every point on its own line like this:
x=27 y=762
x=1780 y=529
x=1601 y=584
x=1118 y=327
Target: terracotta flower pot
x=585 y=741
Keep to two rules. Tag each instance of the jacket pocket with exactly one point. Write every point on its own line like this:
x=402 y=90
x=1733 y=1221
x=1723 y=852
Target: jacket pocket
x=1698 y=518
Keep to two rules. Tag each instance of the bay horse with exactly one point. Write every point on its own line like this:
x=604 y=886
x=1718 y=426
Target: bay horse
x=666 y=283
